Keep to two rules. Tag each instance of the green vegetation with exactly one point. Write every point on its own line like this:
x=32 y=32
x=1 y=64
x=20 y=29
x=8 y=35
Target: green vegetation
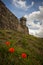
x=28 y=44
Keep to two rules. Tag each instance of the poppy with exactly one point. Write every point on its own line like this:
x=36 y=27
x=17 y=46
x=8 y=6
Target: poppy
x=11 y=50
x=7 y=43
x=23 y=55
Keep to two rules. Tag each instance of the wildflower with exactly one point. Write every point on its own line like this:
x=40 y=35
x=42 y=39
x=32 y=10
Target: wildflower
x=11 y=50
x=24 y=55
x=7 y=43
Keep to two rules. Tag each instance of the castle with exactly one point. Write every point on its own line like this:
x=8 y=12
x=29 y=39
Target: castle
x=9 y=21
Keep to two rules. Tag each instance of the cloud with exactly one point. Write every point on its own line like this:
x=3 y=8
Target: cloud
x=40 y=33
x=35 y=22
x=22 y=4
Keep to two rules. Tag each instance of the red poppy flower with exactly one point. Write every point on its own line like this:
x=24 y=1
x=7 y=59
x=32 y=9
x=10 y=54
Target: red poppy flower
x=11 y=50
x=24 y=55
x=7 y=43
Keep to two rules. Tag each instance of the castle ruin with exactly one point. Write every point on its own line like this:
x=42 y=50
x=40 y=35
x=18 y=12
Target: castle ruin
x=9 y=21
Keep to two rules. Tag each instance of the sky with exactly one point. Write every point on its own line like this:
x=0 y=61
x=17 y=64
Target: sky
x=32 y=10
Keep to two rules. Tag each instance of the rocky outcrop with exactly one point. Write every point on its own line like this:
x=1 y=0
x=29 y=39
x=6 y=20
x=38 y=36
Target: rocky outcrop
x=9 y=21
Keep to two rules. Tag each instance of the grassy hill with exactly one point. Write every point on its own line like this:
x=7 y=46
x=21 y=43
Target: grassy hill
x=22 y=43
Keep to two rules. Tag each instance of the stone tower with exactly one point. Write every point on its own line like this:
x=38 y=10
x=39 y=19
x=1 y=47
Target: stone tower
x=22 y=26
x=23 y=21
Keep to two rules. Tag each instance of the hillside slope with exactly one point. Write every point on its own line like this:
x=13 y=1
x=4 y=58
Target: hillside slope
x=22 y=43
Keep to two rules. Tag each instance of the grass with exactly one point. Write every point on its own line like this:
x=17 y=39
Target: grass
x=29 y=44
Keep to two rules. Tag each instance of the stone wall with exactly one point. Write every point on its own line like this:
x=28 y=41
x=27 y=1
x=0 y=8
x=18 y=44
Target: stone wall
x=9 y=21
x=23 y=29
